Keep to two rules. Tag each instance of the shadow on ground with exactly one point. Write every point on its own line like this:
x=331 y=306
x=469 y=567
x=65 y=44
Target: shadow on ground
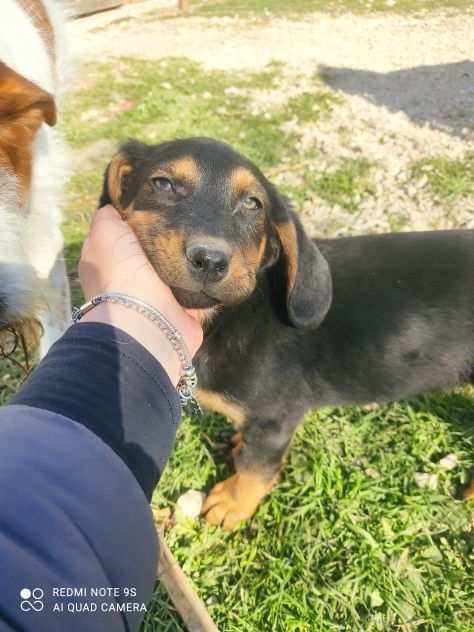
x=440 y=96
x=455 y=408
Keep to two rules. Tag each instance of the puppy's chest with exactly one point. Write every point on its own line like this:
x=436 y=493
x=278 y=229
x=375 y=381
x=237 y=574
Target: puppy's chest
x=219 y=365
x=225 y=374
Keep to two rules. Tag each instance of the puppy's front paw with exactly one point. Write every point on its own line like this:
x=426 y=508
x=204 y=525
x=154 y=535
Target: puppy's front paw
x=468 y=493
x=235 y=499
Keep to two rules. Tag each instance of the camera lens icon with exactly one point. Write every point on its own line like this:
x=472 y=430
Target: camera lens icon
x=31 y=599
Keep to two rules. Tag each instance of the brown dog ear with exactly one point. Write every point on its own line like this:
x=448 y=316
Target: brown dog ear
x=116 y=187
x=309 y=282
x=115 y=180
x=23 y=101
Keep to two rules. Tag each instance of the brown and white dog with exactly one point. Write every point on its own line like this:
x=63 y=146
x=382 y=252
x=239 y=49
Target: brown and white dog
x=33 y=282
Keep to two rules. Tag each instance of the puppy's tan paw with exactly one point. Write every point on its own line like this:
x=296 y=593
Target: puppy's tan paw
x=235 y=499
x=468 y=493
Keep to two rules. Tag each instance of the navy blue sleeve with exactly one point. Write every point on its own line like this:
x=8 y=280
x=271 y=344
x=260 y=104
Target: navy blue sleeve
x=102 y=378
x=82 y=446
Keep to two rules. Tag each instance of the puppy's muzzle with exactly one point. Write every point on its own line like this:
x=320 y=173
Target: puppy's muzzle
x=207 y=263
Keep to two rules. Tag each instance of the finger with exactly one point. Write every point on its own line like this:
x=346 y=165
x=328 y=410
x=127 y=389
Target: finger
x=106 y=224
x=107 y=212
x=108 y=230
x=196 y=314
x=85 y=246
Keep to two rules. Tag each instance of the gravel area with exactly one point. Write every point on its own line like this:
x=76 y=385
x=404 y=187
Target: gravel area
x=406 y=88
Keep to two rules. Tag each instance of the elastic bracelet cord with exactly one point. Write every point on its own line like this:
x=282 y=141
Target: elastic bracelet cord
x=188 y=379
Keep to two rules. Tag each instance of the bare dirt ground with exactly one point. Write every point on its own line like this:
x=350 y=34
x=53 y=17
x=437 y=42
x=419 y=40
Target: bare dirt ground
x=407 y=88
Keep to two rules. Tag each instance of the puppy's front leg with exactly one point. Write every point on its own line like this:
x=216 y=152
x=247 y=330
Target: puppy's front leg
x=258 y=454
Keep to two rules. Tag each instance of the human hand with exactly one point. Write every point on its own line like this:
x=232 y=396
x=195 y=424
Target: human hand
x=112 y=260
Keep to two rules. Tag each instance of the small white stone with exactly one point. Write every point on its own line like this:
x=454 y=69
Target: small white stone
x=428 y=481
x=189 y=505
x=422 y=182
x=449 y=462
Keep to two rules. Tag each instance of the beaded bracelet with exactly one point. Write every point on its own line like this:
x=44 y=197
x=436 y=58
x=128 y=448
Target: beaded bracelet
x=188 y=379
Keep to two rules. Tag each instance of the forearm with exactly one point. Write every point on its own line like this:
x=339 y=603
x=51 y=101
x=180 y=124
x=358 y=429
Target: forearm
x=72 y=518
x=100 y=377
x=82 y=446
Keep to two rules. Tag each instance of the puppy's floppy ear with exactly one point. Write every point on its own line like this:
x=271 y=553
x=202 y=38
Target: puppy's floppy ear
x=23 y=101
x=116 y=177
x=309 y=283
x=115 y=181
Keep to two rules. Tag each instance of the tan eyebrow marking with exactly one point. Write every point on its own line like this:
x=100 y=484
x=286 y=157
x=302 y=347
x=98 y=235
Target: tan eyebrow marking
x=242 y=179
x=185 y=169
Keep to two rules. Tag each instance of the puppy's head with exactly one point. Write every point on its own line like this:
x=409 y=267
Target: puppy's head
x=210 y=222
x=24 y=107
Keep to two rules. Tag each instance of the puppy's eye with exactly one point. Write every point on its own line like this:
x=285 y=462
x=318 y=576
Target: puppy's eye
x=163 y=184
x=252 y=203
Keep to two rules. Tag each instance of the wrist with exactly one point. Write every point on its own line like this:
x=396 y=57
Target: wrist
x=144 y=331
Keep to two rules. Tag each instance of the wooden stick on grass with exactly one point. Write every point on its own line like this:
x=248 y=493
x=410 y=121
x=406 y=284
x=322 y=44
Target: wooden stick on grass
x=191 y=609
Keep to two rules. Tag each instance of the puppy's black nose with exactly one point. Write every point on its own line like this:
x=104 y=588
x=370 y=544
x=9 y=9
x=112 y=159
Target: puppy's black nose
x=207 y=264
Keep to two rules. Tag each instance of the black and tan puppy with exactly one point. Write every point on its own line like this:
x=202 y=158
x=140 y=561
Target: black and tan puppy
x=293 y=323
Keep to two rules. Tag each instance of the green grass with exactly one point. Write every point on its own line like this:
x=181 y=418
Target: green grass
x=308 y=107
x=177 y=98
x=268 y=78
x=345 y=186
x=12 y=374
x=447 y=178
x=245 y=8
x=347 y=541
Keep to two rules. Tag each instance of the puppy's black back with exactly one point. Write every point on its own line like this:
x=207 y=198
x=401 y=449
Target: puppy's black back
x=401 y=322
x=402 y=317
